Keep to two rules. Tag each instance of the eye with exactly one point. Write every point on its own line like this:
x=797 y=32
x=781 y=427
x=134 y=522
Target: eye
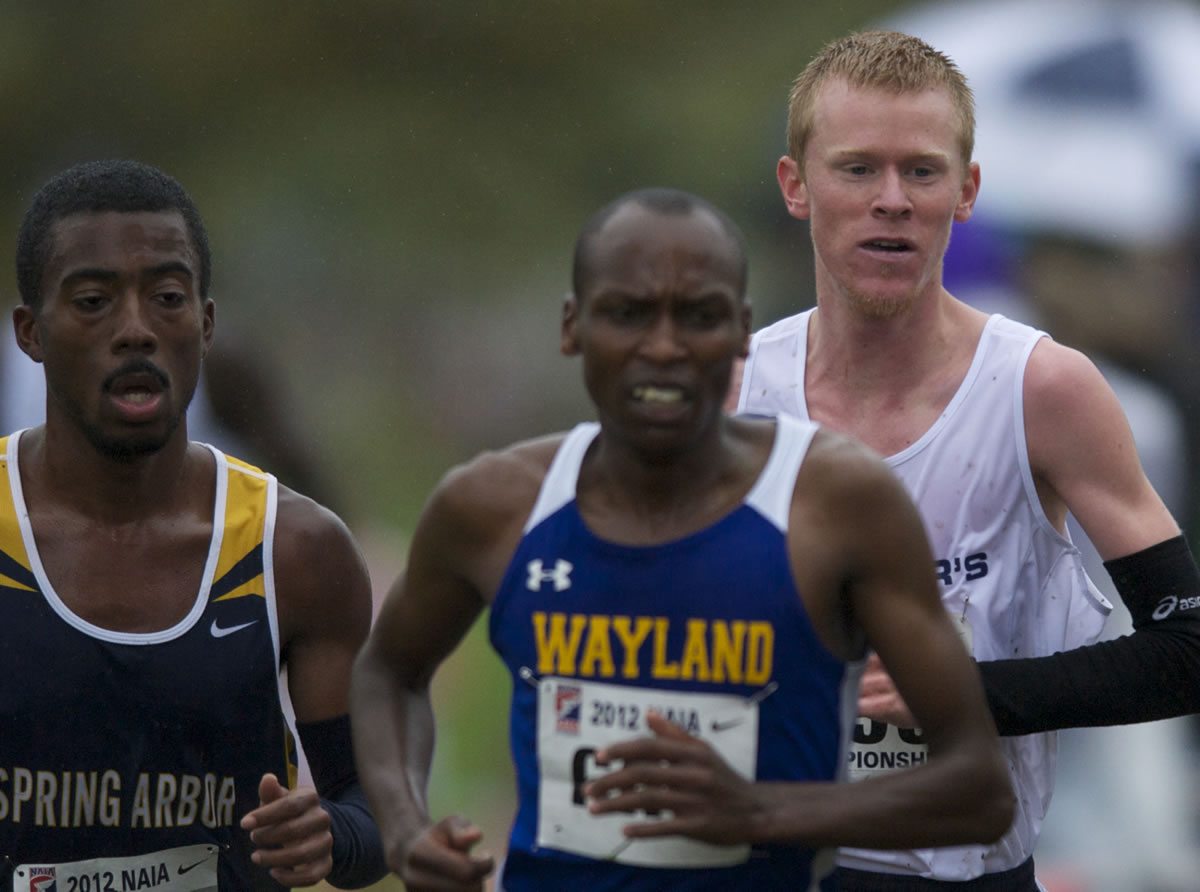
x=90 y=302
x=703 y=315
x=171 y=298
x=626 y=312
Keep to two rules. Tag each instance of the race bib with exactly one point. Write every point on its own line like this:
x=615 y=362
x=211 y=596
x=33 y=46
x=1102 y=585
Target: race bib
x=880 y=748
x=576 y=718
x=184 y=869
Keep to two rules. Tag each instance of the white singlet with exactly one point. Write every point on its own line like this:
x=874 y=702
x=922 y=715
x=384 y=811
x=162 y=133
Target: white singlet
x=1015 y=585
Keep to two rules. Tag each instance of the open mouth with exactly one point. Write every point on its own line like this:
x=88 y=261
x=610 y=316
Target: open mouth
x=135 y=395
x=650 y=393
x=137 y=392
x=136 y=388
x=888 y=246
x=136 y=381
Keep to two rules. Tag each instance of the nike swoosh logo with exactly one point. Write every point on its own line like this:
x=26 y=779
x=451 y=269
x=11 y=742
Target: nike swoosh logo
x=219 y=632
x=726 y=725
x=184 y=868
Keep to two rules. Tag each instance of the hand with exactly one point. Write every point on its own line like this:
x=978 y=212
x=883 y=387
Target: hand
x=290 y=832
x=439 y=858
x=878 y=698
x=676 y=772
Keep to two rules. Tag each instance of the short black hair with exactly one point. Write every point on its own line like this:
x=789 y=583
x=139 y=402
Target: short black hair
x=94 y=187
x=660 y=200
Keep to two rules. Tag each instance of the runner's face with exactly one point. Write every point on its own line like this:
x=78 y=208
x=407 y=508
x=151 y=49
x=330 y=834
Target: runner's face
x=883 y=181
x=660 y=324
x=122 y=328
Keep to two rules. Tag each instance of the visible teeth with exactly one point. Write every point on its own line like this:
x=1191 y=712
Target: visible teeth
x=137 y=396
x=657 y=394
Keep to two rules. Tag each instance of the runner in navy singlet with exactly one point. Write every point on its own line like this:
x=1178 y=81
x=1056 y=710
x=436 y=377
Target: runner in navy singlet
x=152 y=590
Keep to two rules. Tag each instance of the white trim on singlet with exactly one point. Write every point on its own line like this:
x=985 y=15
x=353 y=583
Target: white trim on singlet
x=268 y=559
x=558 y=486
x=771 y=495
x=91 y=629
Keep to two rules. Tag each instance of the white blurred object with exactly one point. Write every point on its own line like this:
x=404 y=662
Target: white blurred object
x=1088 y=113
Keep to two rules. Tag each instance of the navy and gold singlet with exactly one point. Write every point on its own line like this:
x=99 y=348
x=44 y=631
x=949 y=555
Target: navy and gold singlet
x=138 y=754
x=708 y=630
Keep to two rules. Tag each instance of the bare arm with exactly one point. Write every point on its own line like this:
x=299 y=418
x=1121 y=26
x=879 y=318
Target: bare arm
x=1083 y=456
x=461 y=546
x=962 y=793
x=862 y=537
x=324 y=603
x=426 y=614
x=1084 y=461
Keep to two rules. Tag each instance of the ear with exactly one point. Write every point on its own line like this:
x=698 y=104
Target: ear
x=970 y=192
x=793 y=187
x=208 y=324
x=25 y=329
x=570 y=326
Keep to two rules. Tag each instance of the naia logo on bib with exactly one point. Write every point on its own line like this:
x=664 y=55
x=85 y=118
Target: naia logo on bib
x=568 y=704
x=41 y=879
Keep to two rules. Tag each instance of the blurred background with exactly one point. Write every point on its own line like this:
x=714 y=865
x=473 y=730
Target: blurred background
x=392 y=191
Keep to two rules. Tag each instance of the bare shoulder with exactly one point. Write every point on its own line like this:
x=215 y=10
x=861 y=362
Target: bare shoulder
x=474 y=518
x=840 y=467
x=494 y=486
x=1059 y=378
x=1083 y=454
x=1069 y=410
x=846 y=491
x=303 y=524
x=314 y=551
x=853 y=533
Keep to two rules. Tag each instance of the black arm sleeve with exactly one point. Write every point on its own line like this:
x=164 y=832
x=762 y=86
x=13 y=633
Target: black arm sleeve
x=1151 y=674
x=357 y=848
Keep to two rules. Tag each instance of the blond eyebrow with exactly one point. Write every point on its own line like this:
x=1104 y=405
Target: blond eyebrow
x=843 y=155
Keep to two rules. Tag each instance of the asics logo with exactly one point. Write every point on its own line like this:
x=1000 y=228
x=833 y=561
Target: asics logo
x=221 y=631
x=560 y=575
x=1170 y=604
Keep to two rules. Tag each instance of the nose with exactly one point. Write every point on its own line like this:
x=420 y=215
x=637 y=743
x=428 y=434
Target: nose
x=892 y=199
x=661 y=342
x=132 y=328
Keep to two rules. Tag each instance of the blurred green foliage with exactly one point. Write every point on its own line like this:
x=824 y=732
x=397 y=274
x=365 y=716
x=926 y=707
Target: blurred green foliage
x=393 y=188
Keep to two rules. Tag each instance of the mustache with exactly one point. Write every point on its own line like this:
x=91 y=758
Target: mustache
x=137 y=367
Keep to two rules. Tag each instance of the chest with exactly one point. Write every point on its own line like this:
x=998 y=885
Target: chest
x=695 y=611
x=207 y=669
x=889 y=424
x=139 y=584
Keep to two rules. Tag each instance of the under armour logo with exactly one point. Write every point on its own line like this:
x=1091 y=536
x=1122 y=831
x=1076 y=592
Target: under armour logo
x=560 y=575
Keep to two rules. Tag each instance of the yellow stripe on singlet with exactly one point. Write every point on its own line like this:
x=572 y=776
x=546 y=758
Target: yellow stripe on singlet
x=11 y=542
x=245 y=520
